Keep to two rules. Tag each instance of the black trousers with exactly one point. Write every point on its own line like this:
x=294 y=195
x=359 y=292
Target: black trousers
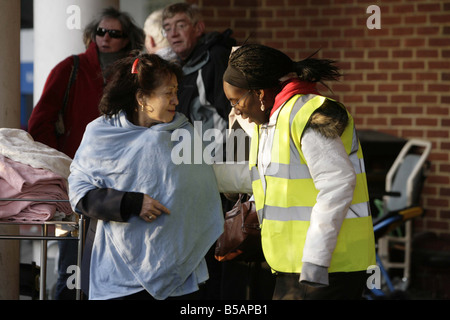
x=342 y=286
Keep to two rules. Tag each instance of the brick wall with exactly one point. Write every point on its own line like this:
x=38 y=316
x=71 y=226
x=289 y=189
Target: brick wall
x=397 y=78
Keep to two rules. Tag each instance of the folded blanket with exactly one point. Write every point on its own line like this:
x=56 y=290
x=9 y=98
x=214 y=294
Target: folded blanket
x=19 y=146
x=21 y=181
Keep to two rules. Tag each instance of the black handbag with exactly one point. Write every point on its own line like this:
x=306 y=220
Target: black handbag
x=241 y=238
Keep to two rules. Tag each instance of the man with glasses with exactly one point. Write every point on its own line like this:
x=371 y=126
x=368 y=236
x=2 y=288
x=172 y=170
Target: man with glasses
x=61 y=125
x=204 y=58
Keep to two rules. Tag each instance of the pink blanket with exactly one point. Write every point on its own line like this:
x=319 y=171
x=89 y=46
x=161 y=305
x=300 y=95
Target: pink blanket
x=22 y=181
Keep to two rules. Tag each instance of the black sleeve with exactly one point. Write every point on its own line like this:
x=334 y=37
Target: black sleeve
x=110 y=205
x=213 y=79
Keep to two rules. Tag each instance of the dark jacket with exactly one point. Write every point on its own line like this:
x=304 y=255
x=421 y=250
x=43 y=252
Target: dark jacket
x=208 y=60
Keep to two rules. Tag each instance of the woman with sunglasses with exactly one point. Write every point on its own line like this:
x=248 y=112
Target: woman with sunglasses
x=108 y=38
x=307 y=172
x=61 y=126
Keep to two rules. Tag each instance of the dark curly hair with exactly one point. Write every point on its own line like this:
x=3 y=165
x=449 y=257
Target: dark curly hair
x=120 y=92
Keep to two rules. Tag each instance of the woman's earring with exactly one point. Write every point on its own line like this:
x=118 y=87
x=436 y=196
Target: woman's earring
x=262 y=106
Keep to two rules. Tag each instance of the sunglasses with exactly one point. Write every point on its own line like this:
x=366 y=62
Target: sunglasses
x=116 y=34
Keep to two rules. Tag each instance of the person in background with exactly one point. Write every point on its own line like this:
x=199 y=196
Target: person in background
x=158 y=218
x=308 y=176
x=109 y=37
x=155 y=42
x=203 y=57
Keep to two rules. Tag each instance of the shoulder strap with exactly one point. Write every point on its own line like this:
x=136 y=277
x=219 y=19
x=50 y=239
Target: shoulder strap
x=60 y=129
x=73 y=75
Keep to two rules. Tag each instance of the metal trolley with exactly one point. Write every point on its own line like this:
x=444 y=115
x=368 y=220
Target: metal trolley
x=50 y=230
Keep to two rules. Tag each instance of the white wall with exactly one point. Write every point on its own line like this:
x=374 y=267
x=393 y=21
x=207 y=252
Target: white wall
x=57 y=34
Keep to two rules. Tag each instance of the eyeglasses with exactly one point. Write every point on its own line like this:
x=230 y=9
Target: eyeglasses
x=240 y=99
x=179 y=26
x=116 y=34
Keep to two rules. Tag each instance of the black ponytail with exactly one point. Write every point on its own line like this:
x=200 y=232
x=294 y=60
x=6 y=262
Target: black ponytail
x=317 y=70
x=263 y=67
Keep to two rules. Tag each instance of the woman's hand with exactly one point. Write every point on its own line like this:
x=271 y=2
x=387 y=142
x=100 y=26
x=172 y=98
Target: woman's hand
x=151 y=209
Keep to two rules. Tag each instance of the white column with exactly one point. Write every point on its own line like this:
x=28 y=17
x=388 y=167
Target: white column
x=9 y=118
x=58 y=33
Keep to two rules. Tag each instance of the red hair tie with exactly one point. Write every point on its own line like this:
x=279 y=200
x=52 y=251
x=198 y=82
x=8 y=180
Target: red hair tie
x=134 y=67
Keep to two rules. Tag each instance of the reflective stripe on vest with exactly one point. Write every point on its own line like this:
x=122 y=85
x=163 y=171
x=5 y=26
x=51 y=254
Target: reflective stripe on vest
x=286 y=203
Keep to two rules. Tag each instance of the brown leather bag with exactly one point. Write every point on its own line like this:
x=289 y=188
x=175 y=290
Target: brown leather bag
x=241 y=238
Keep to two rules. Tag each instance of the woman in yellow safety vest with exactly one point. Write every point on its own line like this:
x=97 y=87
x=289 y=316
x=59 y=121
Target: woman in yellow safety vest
x=308 y=176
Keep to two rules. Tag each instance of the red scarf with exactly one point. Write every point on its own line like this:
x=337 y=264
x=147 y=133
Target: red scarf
x=290 y=88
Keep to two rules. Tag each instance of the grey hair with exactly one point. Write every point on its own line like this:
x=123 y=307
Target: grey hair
x=192 y=11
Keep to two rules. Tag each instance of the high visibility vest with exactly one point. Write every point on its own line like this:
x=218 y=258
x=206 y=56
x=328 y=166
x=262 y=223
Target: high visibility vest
x=285 y=201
